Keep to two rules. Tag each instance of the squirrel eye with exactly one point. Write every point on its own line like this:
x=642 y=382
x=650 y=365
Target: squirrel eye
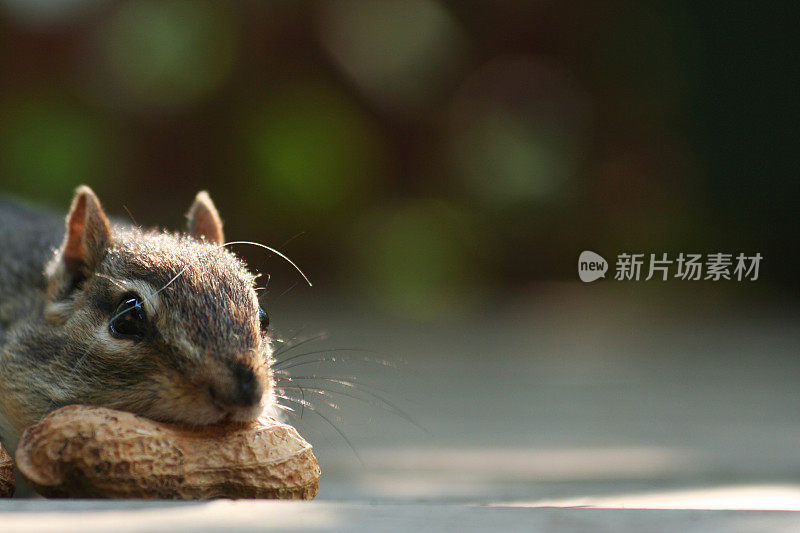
x=264 y=318
x=128 y=320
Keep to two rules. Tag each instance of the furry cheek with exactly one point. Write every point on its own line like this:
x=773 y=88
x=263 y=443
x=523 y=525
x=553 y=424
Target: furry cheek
x=112 y=347
x=181 y=401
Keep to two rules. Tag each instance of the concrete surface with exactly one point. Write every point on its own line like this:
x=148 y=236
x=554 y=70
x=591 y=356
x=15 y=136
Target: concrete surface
x=573 y=408
x=129 y=517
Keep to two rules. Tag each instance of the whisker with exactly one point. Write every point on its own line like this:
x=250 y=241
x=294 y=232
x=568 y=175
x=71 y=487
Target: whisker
x=293 y=237
x=303 y=394
x=283 y=407
x=382 y=403
x=292 y=286
x=386 y=404
x=384 y=362
x=118 y=282
x=283 y=397
x=70 y=374
x=121 y=285
x=262 y=292
x=296 y=421
x=306 y=402
x=125 y=207
x=329 y=404
x=352 y=380
x=328 y=420
x=171 y=281
x=288 y=347
x=338 y=358
x=288 y=241
x=273 y=250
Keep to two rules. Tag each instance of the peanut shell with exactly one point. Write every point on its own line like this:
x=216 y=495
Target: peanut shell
x=7 y=478
x=94 y=452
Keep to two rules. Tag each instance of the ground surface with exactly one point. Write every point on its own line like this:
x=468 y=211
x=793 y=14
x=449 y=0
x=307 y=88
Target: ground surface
x=561 y=410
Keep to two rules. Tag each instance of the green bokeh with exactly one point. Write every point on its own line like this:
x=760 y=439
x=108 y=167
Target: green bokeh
x=169 y=53
x=48 y=146
x=503 y=158
x=423 y=261
x=401 y=53
x=312 y=149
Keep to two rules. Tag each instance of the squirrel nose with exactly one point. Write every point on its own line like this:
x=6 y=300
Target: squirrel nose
x=248 y=390
x=245 y=391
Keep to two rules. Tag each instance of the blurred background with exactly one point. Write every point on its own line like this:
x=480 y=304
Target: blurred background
x=430 y=153
x=436 y=168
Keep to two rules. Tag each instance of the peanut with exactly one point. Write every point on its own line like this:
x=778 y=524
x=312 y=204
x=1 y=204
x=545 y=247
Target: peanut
x=94 y=452
x=7 y=478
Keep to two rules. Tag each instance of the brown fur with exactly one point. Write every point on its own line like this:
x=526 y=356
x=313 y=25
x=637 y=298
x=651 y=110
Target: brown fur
x=204 y=221
x=56 y=304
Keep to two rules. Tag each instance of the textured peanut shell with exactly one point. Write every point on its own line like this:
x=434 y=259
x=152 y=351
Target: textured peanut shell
x=7 y=479
x=93 y=452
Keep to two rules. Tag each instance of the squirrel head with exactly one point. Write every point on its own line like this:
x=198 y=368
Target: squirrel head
x=163 y=325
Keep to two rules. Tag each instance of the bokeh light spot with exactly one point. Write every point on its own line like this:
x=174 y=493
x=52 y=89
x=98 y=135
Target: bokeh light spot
x=312 y=149
x=169 y=53
x=516 y=132
x=504 y=160
x=44 y=14
x=400 y=53
x=420 y=261
x=48 y=146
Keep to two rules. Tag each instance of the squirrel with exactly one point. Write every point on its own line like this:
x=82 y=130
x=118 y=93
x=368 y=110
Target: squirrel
x=164 y=325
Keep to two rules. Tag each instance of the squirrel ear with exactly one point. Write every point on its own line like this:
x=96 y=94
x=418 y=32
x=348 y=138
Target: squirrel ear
x=204 y=220
x=88 y=232
x=87 y=237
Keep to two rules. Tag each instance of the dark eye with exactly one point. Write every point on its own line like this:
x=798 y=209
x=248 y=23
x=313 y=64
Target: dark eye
x=128 y=320
x=264 y=318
